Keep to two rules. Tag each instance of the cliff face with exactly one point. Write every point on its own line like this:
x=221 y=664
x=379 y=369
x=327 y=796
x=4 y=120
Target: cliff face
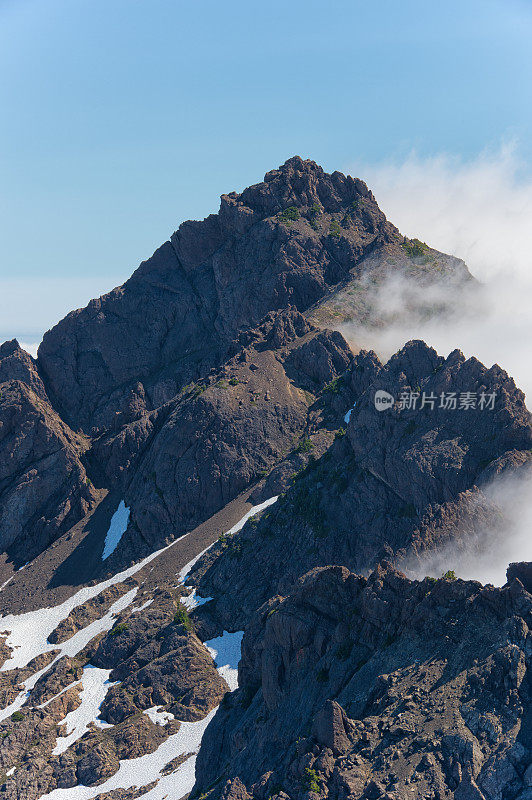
x=44 y=488
x=378 y=688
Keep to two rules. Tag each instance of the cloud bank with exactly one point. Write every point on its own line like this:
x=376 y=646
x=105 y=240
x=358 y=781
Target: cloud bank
x=480 y=211
x=486 y=555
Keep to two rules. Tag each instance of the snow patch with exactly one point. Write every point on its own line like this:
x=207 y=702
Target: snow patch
x=136 y=609
x=3 y=586
x=19 y=701
x=28 y=633
x=183 y=574
x=117 y=528
x=348 y=415
x=71 y=647
x=95 y=684
x=193 y=600
x=145 y=769
x=158 y=716
x=225 y=650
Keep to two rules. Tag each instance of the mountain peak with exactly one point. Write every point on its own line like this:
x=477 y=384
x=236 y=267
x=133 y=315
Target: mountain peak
x=303 y=183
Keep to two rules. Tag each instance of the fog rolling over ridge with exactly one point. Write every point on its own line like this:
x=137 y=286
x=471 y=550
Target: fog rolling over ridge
x=479 y=211
x=486 y=555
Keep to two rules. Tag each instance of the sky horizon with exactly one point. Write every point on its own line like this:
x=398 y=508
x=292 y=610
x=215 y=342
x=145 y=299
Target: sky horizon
x=123 y=119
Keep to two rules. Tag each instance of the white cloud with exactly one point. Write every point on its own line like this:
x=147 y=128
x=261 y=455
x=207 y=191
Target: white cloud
x=480 y=211
x=485 y=555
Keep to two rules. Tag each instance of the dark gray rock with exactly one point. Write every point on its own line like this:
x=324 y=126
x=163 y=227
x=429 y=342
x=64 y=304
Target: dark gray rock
x=400 y=483
x=133 y=349
x=523 y=572
x=44 y=487
x=378 y=687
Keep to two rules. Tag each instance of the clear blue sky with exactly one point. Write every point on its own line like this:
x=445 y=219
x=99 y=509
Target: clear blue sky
x=121 y=118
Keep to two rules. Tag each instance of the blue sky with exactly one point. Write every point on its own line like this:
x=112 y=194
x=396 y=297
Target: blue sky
x=122 y=118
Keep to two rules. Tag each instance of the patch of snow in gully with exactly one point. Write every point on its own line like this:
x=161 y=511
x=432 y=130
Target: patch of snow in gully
x=145 y=769
x=117 y=528
x=348 y=415
x=19 y=701
x=95 y=683
x=183 y=574
x=225 y=650
x=51 y=700
x=71 y=648
x=28 y=632
x=193 y=600
x=136 y=609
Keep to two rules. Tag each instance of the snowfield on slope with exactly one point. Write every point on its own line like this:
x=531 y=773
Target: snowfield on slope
x=95 y=684
x=144 y=770
x=27 y=636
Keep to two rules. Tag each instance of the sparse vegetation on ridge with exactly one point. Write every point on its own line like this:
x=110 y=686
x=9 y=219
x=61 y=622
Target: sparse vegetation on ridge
x=290 y=214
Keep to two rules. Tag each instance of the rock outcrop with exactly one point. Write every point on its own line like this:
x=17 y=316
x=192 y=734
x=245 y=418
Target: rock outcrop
x=221 y=437
x=378 y=687
x=401 y=481
x=44 y=487
x=521 y=571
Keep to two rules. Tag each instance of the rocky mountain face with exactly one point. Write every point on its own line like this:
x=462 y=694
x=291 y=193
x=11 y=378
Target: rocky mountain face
x=378 y=688
x=267 y=248
x=143 y=373
x=214 y=380
x=286 y=241
x=399 y=482
x=44 y=487
x=220 y=434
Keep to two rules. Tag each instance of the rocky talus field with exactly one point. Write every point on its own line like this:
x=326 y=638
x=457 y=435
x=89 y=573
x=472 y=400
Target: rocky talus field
x=214 y=555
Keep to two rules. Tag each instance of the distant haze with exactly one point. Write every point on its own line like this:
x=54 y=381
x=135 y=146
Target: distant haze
x=30 y=306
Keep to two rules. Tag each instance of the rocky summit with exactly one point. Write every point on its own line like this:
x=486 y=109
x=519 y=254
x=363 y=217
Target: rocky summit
x=214 y=542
